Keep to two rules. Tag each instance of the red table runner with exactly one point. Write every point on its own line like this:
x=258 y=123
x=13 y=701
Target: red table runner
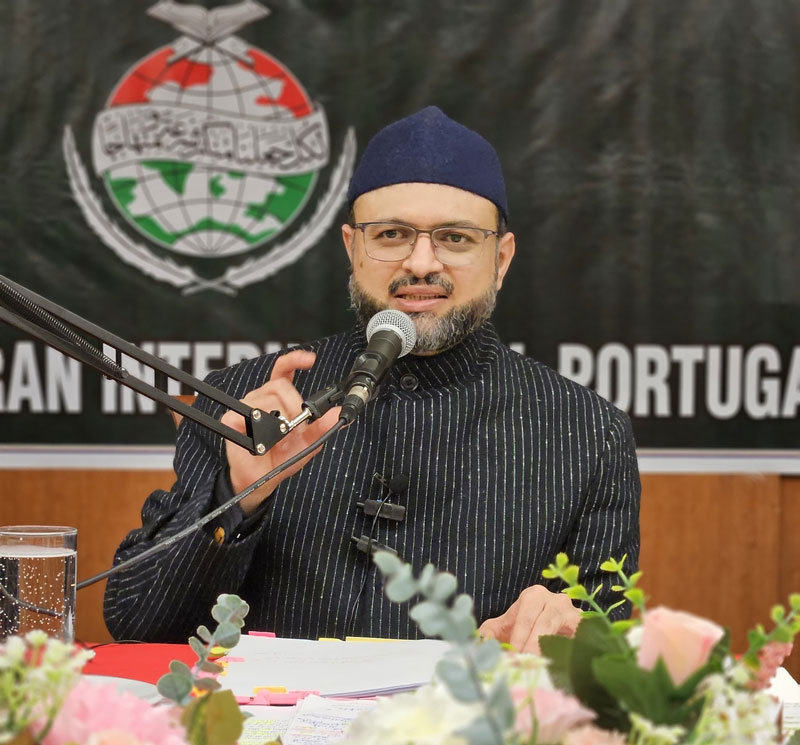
x=147 y=662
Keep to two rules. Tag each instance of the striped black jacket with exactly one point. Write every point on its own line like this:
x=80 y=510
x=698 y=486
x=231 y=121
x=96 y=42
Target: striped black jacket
x=507 y=464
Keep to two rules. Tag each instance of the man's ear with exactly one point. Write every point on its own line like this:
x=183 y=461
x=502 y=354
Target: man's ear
x=348 y=233
x=505 y=252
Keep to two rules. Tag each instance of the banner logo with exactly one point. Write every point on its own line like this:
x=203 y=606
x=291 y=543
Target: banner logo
x=209 y=148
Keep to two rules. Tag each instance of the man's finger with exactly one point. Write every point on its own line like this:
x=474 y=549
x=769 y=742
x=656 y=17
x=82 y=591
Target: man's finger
x=525 y=624
x=286 y=364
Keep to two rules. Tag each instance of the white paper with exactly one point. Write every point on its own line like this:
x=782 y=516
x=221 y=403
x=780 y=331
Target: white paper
x=332 y=668
x=786 y=690
x=265 y=723
x=322 y=721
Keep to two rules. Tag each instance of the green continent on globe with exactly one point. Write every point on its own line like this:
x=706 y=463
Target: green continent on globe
x=202 y=211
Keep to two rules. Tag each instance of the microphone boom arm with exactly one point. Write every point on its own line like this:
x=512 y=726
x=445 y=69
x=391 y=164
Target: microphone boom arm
x=263 y=430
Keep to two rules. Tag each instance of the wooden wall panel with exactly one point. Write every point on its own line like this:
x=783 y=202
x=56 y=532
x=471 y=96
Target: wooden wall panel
x=710 y=545
x=789 y=581
x=102 y=505
x=721 y=546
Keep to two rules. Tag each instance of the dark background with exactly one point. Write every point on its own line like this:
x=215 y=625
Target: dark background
x=650 y=152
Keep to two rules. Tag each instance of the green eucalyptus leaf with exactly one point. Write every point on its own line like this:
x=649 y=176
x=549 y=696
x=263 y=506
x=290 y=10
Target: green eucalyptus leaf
x=549 y=574
x=500 y=704
x=794 y=601
x=198 y=647
x=486 y=654
x=461 y=628
x=480 y=731
x=427 y=579
x=207 y=684
x=458 y=681
x=180 y=668
x=445 y=585
x=227 y=635
x=571 y=574
x=609 y=565
x=562 y=560
x=387 y=562
x=220 y=613
x=401 y=586
x=463 y=605
x=635 y=577
x=175 y=687
x=204 y=633
x=210 y=667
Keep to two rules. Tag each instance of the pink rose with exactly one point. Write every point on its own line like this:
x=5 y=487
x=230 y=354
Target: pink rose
x=555 y=712
x=591 y=735
x=112 y=737
x=682 y=640
x=113 y=718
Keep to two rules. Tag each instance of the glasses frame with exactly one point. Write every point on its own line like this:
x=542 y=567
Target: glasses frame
x=417 y=231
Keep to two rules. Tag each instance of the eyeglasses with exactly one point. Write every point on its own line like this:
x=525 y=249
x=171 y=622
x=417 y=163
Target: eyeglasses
x=394 y=241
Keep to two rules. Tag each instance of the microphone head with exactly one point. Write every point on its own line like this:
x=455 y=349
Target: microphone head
x=397 y=321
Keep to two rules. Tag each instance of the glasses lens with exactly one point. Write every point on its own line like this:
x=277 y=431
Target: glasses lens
x=388 y=241
x=458 y=245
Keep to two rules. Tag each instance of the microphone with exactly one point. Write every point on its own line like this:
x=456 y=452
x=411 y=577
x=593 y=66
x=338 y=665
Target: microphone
x=390 y=334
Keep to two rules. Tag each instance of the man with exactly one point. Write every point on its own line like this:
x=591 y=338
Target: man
x=499 y=462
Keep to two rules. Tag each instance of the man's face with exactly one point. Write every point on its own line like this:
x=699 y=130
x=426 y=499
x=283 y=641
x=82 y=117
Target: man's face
x=446 y=302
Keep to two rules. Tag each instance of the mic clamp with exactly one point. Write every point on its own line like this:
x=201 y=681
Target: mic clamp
x=389 y=510
x=364 y=541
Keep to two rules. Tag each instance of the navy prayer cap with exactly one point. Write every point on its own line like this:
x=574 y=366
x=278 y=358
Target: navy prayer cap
x=431 y=148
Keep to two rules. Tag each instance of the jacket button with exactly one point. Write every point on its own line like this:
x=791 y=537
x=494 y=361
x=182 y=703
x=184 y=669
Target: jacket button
x=409 y=382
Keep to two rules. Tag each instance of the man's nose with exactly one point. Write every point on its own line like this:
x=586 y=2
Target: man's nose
x=423 y=261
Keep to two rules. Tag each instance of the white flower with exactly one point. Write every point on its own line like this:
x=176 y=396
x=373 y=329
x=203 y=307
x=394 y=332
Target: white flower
x=36 y=638
x=14 y=648
x=634 y=636
x=654 y=734
x=428 y=716
x=522 y=670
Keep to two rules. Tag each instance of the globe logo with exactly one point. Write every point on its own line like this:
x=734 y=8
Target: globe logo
x=209 y=148
x=188 y=204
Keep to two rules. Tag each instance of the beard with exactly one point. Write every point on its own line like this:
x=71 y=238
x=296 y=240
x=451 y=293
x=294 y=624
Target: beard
x=434 y=333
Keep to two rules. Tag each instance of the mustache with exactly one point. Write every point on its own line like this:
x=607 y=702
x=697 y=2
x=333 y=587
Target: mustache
x=434 y=280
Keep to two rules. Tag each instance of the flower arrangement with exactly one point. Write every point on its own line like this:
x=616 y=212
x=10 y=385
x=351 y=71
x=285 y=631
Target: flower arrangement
x=664 y=678
x=44 y=701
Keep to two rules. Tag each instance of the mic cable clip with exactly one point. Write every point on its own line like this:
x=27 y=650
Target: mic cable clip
x=389 y=510
x=364 y=541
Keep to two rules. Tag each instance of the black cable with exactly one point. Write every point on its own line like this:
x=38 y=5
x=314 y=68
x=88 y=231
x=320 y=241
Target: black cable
x=217 y=511
x=189 y=529
x=351 y=616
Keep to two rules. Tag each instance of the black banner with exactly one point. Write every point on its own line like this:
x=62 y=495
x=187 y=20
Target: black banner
x=177 y=176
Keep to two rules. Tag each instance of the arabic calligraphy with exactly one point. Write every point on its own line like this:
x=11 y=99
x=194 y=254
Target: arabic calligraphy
x=284 y=147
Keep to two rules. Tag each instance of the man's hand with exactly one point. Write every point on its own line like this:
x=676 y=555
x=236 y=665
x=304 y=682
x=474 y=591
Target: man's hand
x=536 y=612
x=277 y=394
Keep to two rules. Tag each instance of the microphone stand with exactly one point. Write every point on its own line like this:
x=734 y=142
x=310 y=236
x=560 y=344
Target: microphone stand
x=56 y=326
x=39 y=317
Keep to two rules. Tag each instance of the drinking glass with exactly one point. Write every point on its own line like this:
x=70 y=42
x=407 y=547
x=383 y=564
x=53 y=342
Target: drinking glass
x=37 y=580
